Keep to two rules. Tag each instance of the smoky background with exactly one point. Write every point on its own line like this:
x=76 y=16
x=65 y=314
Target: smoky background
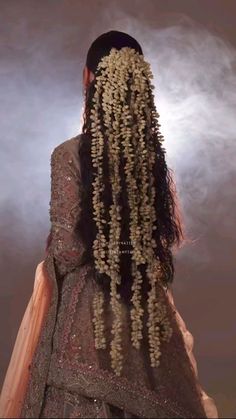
x=191 y=46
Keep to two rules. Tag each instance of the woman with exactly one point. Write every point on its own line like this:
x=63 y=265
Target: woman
x=108 y=340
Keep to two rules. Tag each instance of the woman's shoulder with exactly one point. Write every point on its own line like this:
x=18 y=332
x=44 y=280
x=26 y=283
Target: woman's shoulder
x=70 y=145
x=67 y=151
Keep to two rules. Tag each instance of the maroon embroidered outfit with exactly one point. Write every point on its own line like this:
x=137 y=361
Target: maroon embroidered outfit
x=69 y=378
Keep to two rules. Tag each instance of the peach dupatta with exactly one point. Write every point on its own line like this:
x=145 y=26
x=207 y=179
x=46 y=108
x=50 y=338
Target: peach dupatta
x=17 y=375
x=208 y=402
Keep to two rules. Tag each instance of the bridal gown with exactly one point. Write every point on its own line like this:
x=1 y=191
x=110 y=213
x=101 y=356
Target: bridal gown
x=55 y=370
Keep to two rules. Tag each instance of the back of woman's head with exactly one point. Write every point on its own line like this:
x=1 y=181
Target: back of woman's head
x=105 y=42
x=129 y=219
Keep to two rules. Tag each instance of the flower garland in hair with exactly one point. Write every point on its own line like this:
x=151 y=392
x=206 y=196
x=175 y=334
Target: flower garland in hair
x=124 y=107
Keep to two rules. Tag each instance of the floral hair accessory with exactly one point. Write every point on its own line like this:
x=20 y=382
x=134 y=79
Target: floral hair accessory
x=123 y=103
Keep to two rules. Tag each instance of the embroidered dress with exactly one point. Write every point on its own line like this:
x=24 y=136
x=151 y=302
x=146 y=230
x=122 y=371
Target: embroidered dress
x=67 y=376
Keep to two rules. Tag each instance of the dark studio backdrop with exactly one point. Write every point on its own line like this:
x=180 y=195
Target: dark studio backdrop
x=191 y=46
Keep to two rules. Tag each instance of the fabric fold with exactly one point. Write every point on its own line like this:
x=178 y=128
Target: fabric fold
x=207 y=402
x=17 y=375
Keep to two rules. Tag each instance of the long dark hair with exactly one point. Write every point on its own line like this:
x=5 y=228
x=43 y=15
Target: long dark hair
x=169 y=230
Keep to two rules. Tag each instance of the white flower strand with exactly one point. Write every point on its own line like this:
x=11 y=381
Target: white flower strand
x=113 y=153
x=98 y=302
x=146 y=217
x=113 y=260
x=137 y=311
x=99 y=244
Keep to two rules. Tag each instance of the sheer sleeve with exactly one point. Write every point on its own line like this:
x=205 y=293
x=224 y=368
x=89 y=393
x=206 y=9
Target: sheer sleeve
x=63 y=243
